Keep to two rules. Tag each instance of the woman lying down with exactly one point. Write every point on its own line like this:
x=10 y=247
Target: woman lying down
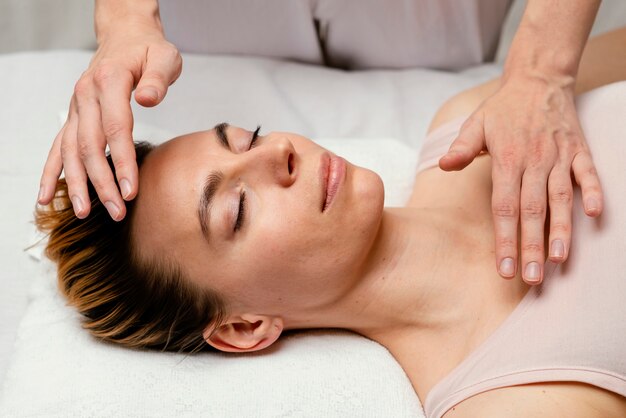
x=236 y=237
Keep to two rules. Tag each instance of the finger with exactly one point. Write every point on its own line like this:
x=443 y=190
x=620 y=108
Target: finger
x=75 y=175
x=587 y=177
x=533 y=217
x=560 y=194
x=505 y=210
x=469 y=143
x=91 y=148
x=163 y=66
x=51 y=170
x=117 y=125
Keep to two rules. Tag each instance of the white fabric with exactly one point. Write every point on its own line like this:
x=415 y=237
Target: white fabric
x=313 y=101
x=84 y=377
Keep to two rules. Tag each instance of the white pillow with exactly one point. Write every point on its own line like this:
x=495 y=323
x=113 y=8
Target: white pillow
x=59 y=370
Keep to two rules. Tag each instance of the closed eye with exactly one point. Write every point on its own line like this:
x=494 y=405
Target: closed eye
x=255 y=136
x=241 y=213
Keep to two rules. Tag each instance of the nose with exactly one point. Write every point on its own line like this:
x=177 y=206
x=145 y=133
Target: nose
x=274 y=159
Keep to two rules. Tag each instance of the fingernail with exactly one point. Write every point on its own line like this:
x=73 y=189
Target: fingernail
x=125 y=186
x=507 y=268
x=114 y=211
x=77 y=203
x=557 y=249
x=42 y=191
x=592 y=205
x=532 y=272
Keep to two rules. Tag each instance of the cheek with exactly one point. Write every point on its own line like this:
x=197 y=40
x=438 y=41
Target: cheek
x=292 y=245
x=297 y=241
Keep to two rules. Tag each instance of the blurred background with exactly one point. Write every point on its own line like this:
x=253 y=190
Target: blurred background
x=68 y=24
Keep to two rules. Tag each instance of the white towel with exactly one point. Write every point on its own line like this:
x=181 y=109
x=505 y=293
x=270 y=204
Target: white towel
x=59 y=370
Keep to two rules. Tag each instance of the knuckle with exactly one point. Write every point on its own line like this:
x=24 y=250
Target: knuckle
x=532 y=247
x=85 y=149
x=154 y=76
x=505 y=242
x=561 y=194
x=592 y=189
x=583 y=152
x=560 y=227
x=122 y=165
x=171 y=50
x=536 y=151
x=542 y=156
x=469 y=122
x=100 y=184
x=591 y=171
x=66 y=149
x=508 y=158
x=75 y=180
x=505 y=209
x=114 y=130
x=103 y=74
x=568 y=147
x=82 y=87
x=533 y=209
x=509 y=161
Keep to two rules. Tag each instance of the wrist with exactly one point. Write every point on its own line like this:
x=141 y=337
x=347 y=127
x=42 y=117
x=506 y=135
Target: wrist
x=551 y=62
x=551 y=37
x=114 y=17
x=537 y=77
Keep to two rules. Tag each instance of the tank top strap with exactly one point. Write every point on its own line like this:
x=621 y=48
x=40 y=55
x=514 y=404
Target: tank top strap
x=437 y=143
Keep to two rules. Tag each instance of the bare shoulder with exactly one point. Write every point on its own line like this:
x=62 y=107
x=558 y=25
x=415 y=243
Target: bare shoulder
x=555 y=399
x=464 y=103
x=455 y=188
x=445 y=188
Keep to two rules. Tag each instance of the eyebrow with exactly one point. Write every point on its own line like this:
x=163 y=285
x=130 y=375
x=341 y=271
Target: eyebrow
x=220 y=130
x=211 y=184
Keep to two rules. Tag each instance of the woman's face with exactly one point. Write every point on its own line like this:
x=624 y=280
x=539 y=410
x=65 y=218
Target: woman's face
x=254 y=223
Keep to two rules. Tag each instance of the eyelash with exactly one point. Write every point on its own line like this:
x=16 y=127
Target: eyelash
x=255 y=136
x=242 y=210
x=242 y=196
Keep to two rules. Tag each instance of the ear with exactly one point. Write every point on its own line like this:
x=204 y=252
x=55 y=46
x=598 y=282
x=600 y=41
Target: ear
x=245 y=333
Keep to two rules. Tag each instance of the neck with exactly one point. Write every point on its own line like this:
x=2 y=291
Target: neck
x=414 y=277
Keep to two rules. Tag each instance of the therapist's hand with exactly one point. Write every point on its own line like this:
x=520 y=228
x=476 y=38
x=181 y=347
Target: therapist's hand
x=531 y=130
x=131 y=54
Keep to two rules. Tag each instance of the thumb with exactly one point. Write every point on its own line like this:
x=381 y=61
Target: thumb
x=163 y=66
x=468 y=144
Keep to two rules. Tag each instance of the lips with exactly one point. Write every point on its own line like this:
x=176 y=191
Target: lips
x=332 y=173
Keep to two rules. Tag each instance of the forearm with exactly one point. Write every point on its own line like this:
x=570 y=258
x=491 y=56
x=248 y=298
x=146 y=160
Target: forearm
x=551 y=38
x=111 y=15
x=603 y=62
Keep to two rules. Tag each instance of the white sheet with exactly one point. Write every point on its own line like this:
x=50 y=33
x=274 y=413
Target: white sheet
x=313 y=101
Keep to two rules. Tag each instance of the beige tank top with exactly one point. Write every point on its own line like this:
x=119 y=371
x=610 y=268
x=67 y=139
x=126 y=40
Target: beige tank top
x=573 y=326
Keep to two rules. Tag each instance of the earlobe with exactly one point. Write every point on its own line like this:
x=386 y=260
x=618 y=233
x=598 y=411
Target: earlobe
x=245 y=333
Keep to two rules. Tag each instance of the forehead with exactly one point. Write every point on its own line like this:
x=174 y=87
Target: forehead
x=170 y=180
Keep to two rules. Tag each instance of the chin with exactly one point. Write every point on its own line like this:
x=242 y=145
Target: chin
x=369 y=198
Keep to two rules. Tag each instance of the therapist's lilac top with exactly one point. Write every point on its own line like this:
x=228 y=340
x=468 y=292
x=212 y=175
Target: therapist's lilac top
x=573 y=326
x=350 y=34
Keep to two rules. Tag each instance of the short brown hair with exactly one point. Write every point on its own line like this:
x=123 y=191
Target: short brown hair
x=124 y=299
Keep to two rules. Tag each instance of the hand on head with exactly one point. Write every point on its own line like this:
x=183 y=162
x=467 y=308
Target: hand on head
x=100 y=115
